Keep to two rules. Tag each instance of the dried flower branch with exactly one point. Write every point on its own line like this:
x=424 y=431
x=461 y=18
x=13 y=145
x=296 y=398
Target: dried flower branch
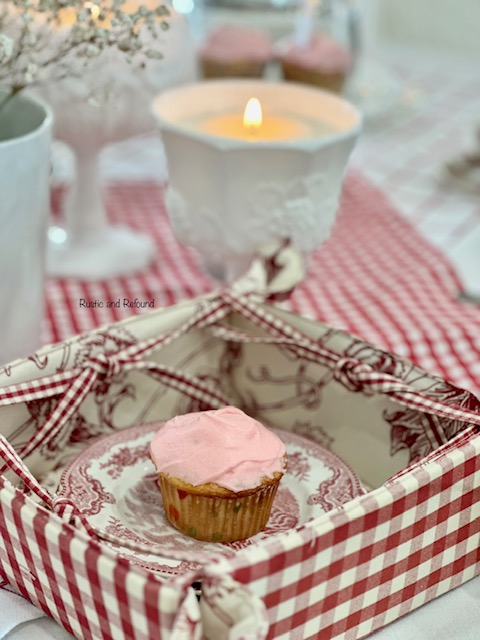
x=50 y=40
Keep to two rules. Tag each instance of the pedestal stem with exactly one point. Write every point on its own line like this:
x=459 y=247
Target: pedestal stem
x=88 y=247
x=85 y=212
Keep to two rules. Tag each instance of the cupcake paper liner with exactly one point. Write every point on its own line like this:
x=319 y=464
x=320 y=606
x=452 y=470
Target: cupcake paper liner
x=330 y=81
x=217 y=518
x=232 y=69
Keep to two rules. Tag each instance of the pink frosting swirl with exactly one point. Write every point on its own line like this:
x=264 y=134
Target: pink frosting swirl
x=321 y=53
x=224 y=446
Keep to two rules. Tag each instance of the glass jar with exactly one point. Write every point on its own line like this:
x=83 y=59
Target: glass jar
x=283 y=23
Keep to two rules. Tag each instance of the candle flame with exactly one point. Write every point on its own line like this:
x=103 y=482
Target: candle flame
x=252 y=116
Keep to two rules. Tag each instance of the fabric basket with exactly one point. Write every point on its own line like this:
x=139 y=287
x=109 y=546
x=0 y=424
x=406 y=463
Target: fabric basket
x=411 y=437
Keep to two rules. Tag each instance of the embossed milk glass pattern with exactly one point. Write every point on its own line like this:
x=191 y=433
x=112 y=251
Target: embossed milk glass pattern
x=229 y=196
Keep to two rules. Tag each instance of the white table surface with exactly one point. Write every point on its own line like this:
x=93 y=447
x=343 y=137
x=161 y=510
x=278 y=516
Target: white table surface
x=434 y=117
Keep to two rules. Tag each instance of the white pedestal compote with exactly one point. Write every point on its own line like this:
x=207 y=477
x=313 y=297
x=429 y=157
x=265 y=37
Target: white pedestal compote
x=107 y=105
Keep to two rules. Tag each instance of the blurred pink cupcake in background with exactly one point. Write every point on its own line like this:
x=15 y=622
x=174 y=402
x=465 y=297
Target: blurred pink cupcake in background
x=322 y=62
x=235 y=51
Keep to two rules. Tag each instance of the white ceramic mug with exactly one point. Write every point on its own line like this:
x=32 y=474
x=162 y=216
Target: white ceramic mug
x=25 y=140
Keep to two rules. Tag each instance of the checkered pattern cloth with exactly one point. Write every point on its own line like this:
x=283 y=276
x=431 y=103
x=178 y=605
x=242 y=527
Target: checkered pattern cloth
x=398 y=546
x=350 y=572
x=376 y=277
x=373 y=563
x=434 y=123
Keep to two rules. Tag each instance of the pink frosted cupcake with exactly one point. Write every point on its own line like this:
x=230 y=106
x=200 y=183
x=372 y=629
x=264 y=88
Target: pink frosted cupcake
x=321 y=62
x=218 y=473
x=235 y=51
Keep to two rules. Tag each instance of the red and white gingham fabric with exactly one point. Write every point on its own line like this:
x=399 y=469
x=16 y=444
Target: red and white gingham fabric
x=75 y=384
x=350 y=572
x=395 y=549
x=86 y=588
x=376 y=277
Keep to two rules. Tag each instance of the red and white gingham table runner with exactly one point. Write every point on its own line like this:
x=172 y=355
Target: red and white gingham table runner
x=376 y=277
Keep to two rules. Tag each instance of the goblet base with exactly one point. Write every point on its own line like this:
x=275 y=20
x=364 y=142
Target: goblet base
x=114 y=251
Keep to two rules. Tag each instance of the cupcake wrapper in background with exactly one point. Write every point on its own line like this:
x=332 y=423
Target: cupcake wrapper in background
x=233 y=69
x=330 y=81
x=217 y=518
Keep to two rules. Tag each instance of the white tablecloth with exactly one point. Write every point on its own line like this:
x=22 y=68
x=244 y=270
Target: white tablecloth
x=453 y=616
